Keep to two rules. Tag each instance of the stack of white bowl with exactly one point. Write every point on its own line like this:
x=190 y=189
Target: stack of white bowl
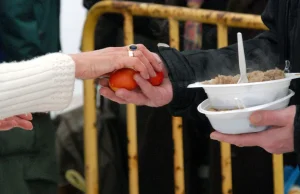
x=236 y=102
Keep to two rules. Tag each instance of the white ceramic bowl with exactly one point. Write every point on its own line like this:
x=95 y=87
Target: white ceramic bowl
x=237 y=121
x=228 y=96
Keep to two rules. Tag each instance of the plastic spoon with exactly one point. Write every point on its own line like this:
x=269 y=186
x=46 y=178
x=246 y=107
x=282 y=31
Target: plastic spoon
x=242 y=61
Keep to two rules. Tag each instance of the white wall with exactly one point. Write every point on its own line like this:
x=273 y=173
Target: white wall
x=72 y=19
x=73 y=15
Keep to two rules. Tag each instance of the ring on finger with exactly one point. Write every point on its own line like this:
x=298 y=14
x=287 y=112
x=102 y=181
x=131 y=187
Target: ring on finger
x=131 y=49
x=131 y=53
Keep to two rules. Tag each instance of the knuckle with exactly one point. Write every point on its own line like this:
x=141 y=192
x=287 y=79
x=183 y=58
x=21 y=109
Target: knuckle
x=239 y=145
x=236 y=143
x=141 y=47
x=138 y=53
x=138 y=65
x=109 y=49
x=135 y=60
x=118 y=62
x=273 y=151
x=269 y=150
x=270 y=147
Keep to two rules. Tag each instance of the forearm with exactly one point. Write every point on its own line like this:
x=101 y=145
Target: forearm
x=192 y=66
x=39 y=85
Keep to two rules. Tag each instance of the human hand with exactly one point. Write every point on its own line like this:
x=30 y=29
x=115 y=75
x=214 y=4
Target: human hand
x=153 y=96
x=94 y=64
x=22 y=121
x=278 y=139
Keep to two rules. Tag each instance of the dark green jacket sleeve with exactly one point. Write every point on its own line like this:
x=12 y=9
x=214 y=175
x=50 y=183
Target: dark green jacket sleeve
x=198 y=65
x=19 y=35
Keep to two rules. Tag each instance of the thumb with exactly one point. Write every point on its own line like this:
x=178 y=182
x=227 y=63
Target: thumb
x=145 y=86
x=273 y=117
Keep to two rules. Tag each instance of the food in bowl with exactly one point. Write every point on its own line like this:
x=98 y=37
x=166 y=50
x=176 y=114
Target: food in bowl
x=232 y=96
x=221 y=110
x=237 y=121
x=255 y=76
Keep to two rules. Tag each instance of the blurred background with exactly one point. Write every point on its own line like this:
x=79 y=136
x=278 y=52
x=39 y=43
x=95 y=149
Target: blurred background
x=56 y=143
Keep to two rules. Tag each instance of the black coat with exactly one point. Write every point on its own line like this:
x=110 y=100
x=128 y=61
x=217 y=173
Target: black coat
x=268 y=50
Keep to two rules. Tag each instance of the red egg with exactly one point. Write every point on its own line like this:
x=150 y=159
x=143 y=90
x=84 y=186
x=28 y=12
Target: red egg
x=158 y=79
x=123 y=78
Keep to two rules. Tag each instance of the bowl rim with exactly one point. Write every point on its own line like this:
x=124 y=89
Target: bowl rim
x=246 y=110
x=289 y=76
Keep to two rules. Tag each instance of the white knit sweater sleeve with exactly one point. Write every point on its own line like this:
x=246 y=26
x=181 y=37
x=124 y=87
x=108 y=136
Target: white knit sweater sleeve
x=39 y=85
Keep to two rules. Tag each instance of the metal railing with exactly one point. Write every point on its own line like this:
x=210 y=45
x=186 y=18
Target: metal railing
x=174 y=14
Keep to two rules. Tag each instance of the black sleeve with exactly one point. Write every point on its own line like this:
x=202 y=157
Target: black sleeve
x=297 y=130
x=190 y=66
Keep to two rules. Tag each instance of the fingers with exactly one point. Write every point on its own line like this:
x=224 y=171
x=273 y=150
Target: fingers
x=132 y=97
x=108 y=93
x=145 y=86
x=26 y=116
x=123 y=96
x=138 y=54
x=133 y=62
x=143 y=61
x=146 y=94
x=7 y=125
x=15 y=121
x=241 y=140
x=104 y=82
x=24 y=124
x=155 y=61
x=273 y=118
x=146 y=62
x=152 y=59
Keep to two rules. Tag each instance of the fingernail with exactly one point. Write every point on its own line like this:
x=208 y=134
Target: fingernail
x=255 y=118
x=158 y=60
x=160 y=67
x=29 y=115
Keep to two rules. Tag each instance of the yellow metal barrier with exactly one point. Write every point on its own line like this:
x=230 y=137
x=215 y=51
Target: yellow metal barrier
x=223 y=20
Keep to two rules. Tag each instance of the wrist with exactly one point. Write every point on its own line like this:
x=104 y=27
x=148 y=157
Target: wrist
x=77 y=63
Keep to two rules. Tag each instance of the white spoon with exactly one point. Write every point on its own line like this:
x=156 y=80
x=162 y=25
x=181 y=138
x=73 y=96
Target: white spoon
x=242 y=61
